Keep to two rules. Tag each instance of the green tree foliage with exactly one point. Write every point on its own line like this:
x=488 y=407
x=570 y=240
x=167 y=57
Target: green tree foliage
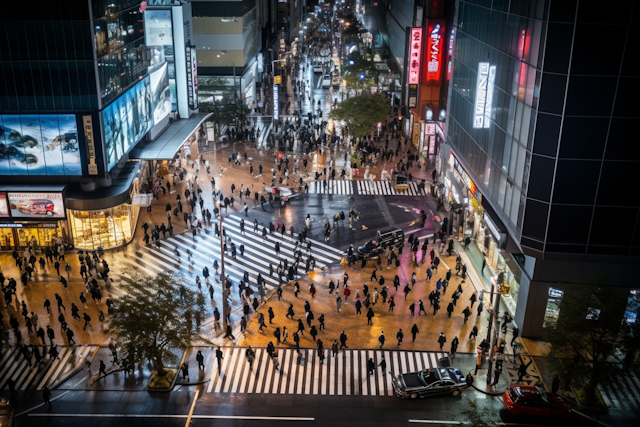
x=587 y=331
x=216 y=95
x=362 y=113
x=476 y=416
x=152 y=315
x=352 y=73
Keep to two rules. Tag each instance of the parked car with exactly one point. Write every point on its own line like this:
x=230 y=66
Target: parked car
x=530 y=400
x=390 y=238
x=430 y=382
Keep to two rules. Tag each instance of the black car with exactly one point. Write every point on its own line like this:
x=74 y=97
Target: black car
x=430 y=382
x=390 y=238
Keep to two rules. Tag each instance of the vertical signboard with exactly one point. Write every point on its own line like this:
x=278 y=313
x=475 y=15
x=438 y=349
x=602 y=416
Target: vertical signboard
x=452 y=38
x=433 y=76
x=414 y=55
x=192 y=77
x=484 y=95
x=276 y=102
x=91 y=148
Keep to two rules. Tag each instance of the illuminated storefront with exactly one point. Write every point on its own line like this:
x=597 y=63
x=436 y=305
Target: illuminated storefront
x=106 y=228
x=486 y=238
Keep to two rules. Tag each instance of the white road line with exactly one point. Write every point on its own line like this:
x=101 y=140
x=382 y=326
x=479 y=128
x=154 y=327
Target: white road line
x=231 y=369
x=389 y=375
x=308 y=360
x=294 y=370
x=364 y=389
x=246 y=373
x=316 y=371
x=224 y=375
x=241 y=369
x=382 y=376
x=279 y=375
x=256 y=364
x=340 y=378
x=412 y=367
x=263 y=368
x=332 y=378
x=203 y=417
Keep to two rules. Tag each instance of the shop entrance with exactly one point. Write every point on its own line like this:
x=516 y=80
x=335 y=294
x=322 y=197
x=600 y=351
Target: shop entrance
x=20 y=235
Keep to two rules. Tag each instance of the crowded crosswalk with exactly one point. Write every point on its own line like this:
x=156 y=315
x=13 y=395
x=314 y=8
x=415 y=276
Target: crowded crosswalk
x=29 y=374
x=364 y=188
x=201 y=251
x=303 y=373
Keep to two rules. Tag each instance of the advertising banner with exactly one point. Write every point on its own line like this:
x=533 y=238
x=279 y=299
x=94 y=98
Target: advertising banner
x=433 y=60
x=45 y=144
x=414 y=55
x=36 y=205
x=4 y=207
x=127 y=119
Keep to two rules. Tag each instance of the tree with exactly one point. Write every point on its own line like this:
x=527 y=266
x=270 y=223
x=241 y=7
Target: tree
x=154 y=315
x=475 y=416
x=362 y=113
x=217 y=96
x=353 y=70
x=587 y=329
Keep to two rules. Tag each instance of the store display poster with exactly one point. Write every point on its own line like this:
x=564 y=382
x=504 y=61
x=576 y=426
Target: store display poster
x=36 y=205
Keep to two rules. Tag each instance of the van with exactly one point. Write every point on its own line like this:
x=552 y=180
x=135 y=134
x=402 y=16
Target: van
x=393 y=238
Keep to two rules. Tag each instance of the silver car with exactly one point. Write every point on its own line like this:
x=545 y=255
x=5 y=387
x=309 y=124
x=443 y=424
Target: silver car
x=430 y=382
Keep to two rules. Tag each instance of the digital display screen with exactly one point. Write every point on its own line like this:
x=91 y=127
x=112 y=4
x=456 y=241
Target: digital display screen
x=4 y=207
x=157 y=28
x=36 y=205
x=128 y=118
x=44 y=144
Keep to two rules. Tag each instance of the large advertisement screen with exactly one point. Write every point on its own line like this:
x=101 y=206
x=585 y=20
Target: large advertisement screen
x=45 y=144
x=127 y=119
x=36 y=205
x=4 y=207
x=157 y=28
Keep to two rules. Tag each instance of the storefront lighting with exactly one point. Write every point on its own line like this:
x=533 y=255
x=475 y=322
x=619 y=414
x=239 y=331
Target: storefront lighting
x=429 y=114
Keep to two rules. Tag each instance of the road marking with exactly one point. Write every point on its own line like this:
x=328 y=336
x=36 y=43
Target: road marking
x=193 y=406
x=205 y=417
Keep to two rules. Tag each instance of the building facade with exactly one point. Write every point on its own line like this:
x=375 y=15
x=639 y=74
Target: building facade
x=538 y=149
x=84 y=85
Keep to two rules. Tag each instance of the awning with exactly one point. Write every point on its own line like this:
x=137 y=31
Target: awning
x=167 y=145
x=143 y=200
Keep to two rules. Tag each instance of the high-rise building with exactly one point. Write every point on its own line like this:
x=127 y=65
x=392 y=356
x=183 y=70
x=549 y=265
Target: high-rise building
x=540 y=157
x=88 y=90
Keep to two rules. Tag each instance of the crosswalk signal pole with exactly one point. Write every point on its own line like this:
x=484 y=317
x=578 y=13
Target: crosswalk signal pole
x=223 y=278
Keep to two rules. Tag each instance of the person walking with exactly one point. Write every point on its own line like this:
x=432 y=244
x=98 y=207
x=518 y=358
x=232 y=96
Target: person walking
x=334 y=348
x=343 y=340
x=414 y=331
x=200 y=360
x=102 y=371
x=371 y=366
x=399 y=336
x=46 y=395
x=383 y=365
x=474 y=333
x=370 y=315
x=87 y=321
x=219 y=357
x=441 y=340
x=381 y=339
x=314 y=332
x=454 y=346
x=251 y=356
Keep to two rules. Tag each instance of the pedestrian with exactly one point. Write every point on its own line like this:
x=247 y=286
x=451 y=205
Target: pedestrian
x=370 y=315
x=441 y=340
x=102 y=371
x=516 y=332
x=334 y=348
x=371 y=366
x=399 y=336
x=46 y=395
x=343 y=340
x=87 y=321
x=381 y=339
x=185 y=371
x=474 y=333
x=219 y=357
x=314 y=332
x=251 y=356
x=200 y=360
x=338 y=303
x=321 y=320
x=454 y=346
x=271 y=314
x=414 y=331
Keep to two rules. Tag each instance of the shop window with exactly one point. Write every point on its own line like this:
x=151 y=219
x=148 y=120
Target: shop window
x=107 y=228
x=553 y=307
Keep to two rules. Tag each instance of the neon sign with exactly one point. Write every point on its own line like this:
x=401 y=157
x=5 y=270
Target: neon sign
x=414 y=55
x=434 y=55
x=276 y=102
x=484 y=95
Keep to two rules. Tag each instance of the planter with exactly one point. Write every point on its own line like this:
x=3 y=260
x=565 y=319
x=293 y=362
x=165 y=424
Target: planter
x=165 y=383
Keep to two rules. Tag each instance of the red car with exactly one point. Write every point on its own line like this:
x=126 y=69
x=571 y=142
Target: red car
x=530 y=400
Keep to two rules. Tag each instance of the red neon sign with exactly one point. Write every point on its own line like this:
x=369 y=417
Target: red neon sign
x=434 y=52
x=414 y=55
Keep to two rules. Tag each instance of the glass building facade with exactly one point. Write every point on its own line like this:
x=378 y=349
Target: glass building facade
x=541 y=107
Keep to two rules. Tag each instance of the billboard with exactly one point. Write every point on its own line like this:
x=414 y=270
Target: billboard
x=4 y=207
x=434 y=52
x=158 y=30
x=127 y=119
x=36 y=205
x=45 y=144
x=484 y=95
x=414 y=55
